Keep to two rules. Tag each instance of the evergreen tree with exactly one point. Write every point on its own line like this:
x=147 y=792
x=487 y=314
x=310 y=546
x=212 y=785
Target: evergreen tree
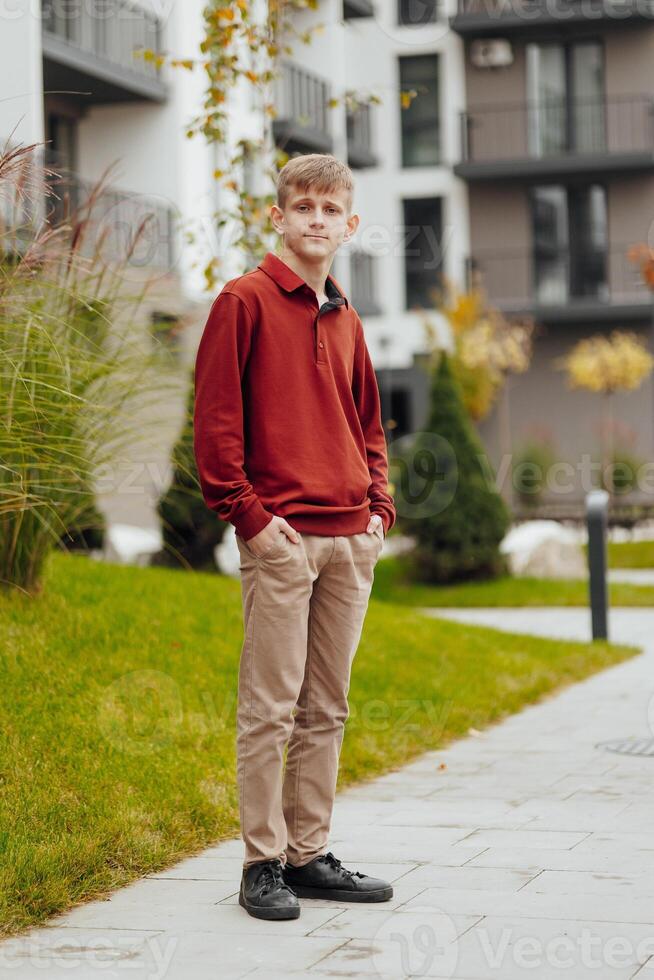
x=190 y=529
x=460 y=522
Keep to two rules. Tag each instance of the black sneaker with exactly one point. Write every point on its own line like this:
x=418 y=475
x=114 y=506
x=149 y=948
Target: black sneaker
x=264 y=893
x=325 y=877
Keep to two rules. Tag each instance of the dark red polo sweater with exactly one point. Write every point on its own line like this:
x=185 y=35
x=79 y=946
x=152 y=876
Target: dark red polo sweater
x=287 y=414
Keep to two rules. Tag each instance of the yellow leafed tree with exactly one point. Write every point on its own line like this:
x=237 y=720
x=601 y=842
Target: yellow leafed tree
x=606 y=364
x=488 y=348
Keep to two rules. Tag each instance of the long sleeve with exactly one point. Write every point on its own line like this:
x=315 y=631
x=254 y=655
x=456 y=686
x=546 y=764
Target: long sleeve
x=366 y=396
x=218 y=439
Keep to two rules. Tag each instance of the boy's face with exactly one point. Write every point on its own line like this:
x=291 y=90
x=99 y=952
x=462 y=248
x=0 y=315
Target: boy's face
x=314 y=225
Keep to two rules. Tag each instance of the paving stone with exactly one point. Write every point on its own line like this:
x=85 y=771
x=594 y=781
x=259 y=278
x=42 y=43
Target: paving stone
x=462 y=960
x=548 y=814
x=530 y=904
x=619 y=843
x=592 y=883
x=56 y=953
x=201 y=867
x=491 y=837
x=541 y=859
x=365 y=923
x=515 y=947
x=441 y=812
x=468 y=877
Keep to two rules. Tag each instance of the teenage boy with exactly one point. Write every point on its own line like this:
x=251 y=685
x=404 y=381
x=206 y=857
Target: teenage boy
x=290 y=449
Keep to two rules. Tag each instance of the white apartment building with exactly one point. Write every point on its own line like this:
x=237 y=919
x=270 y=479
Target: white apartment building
x=69 y=76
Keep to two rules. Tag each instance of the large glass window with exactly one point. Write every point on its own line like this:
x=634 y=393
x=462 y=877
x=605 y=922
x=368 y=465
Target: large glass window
x=420 y=120
x=423 y=251
x=565 y=91
x=570 y=243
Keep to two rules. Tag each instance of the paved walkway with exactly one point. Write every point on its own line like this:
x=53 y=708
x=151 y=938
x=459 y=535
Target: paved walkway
x=523 y=852
x=634 y=576
x=625 y=625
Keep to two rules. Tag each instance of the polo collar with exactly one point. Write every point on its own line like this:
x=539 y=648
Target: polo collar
x=289 y=280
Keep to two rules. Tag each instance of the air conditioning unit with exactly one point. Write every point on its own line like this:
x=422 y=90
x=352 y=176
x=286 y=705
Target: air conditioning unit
x=493 y=53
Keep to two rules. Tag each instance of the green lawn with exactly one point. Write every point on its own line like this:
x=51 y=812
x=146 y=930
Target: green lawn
x=118 y=718
x=391 y=586
x=631 y=554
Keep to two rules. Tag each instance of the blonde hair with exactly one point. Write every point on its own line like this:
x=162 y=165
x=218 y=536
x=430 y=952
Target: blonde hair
x=320 y=171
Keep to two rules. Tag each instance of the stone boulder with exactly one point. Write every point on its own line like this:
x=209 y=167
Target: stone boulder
x=544 y=549
x=226 y=554
x=127 y=544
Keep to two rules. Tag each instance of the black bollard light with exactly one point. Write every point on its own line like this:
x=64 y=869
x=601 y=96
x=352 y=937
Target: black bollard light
x=597 y=508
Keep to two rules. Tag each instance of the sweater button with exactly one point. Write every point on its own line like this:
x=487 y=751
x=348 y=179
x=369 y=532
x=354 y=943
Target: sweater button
x=321 y=344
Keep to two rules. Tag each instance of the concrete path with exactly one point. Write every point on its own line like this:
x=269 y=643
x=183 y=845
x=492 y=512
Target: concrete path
x=625 y=625
x=633 y=576
x=526 y=851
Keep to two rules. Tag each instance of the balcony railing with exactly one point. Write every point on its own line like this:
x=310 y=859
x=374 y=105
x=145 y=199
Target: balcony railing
x=301 y=104
x=618 y=128
x=359 y=137
x=481 y=16
x=559 y=280
x=365 y=296
x=114 y=219
x=101 y=38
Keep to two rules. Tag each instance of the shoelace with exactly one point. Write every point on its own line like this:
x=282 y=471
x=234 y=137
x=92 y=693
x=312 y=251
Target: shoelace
x=336 y=864
x=271 y=875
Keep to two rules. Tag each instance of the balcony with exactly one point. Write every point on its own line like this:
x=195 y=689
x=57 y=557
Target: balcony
x=483 y=18
x=89 y=49
x=114 y=220
x=598 y=286
x=364 y=287
x=359 y=138
x=558 y=138
x=302 y=122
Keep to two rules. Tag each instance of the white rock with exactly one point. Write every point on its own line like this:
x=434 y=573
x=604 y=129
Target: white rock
x=128 y=544
x=544 y=549
x=226 y=554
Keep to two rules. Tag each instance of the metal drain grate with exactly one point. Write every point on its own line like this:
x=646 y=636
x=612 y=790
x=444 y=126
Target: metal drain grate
x=629 y=746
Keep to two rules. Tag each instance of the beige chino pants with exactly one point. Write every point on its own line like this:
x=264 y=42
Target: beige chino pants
x=303 y=610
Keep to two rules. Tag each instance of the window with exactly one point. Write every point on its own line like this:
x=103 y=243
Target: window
x=364 y=283
x=61 y=155
x=60 y=18
x=422 y=251
x=570 y=243
x=359 y=129
x=420 y=120
x=565 y=88
x=61 y=131
x=413 y=12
